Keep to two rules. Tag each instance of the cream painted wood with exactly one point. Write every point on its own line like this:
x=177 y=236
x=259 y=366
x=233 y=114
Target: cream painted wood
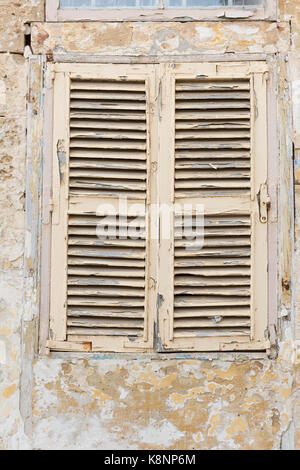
x=69 y=205
x=60 y=208
x=257 y=338
x=159 y=321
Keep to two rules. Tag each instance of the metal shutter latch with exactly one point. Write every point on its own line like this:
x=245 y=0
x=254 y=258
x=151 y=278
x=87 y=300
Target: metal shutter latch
x=264 y=203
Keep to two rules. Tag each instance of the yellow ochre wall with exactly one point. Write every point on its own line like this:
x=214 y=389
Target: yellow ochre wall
x=199 y=401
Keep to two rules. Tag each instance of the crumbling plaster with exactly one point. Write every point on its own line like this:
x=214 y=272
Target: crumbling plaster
x=186 y=402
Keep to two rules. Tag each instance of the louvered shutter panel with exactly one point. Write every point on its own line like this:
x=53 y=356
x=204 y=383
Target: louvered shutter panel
x=214 y=294
x=100 y=250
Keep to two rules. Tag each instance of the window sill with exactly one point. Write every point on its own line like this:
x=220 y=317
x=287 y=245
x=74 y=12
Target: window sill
x=150 y=357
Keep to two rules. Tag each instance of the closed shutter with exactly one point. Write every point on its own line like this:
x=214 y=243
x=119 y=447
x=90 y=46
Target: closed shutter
x=190 y=139
x=100 y=245
x=213 y=290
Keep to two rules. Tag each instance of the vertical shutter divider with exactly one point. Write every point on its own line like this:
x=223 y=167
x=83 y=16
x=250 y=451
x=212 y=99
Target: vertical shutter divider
x=166 y=200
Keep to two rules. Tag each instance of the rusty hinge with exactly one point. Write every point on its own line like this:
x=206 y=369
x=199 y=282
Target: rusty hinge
x=264 y=203
x=50 y=77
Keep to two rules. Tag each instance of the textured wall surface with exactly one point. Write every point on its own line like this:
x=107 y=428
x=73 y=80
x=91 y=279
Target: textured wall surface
x=165 y=404
x=14 y=16
x=161 y=38
x=205 y=401
x=13 y=71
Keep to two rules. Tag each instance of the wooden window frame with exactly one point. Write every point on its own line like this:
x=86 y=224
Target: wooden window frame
x=47 y=202
x=267 y=12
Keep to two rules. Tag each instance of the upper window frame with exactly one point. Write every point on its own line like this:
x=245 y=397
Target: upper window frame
x=267 y=12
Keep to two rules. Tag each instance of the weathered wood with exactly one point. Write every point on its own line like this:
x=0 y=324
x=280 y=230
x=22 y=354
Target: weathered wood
x=104 y=312
x=214 y=139
x=90 y=280
x=108 y=85
x=107 y=134
x=108 y=271
x=106 y=124
x=200 y=281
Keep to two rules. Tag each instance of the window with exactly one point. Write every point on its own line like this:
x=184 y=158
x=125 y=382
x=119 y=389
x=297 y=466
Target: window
x=143 y=10
x=98 y=4
x=159 y=222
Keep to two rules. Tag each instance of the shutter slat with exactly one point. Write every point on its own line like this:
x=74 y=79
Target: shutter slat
x=212 y=95
x=82 y=260
x=90 y=280
x=206 y=290
x=104 y=331
x=109 y=116
x=106 y=271
x=211 y=332
x=211 y=232
x=212 y=144
x=106 y=291
x=207 y=165
x=110 y=232
x=210 y=300
x=112 y=252
x=193 y=280
x=98 y=164
x=214 y=85
x=92 y=220
x=213 y=125
x=205 y=261
x=225 y=241
x=109 y=184
x=105 y=312
x=109 y=134
x=221 y=183
x=211 y=312
x=212 y=134
x=87 y=322
x=216 y=154
x=102 y=144
x=89 y=155
x=217 y=114
x=215 y=272
x=215 y=322
x=92 y=241
x=107 y=302
x=108 y=174
x=107 y=95
x=216 y=104
x=204 y=174
x=108 y=85
x=105 y=124
x=107 y=106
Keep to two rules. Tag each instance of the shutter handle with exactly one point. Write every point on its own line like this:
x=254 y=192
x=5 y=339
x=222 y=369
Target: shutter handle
x=264 y=203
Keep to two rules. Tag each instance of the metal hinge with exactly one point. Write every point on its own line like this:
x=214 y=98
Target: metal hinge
x=50 y=77
x=264 y=203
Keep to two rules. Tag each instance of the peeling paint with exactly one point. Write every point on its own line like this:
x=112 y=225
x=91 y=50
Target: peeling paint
x=111 y=401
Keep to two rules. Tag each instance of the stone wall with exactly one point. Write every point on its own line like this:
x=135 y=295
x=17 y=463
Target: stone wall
x=215 y=401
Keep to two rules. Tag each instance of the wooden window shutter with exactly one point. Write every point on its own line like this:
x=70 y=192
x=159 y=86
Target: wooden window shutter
x=103 y=124
x=215 y=296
